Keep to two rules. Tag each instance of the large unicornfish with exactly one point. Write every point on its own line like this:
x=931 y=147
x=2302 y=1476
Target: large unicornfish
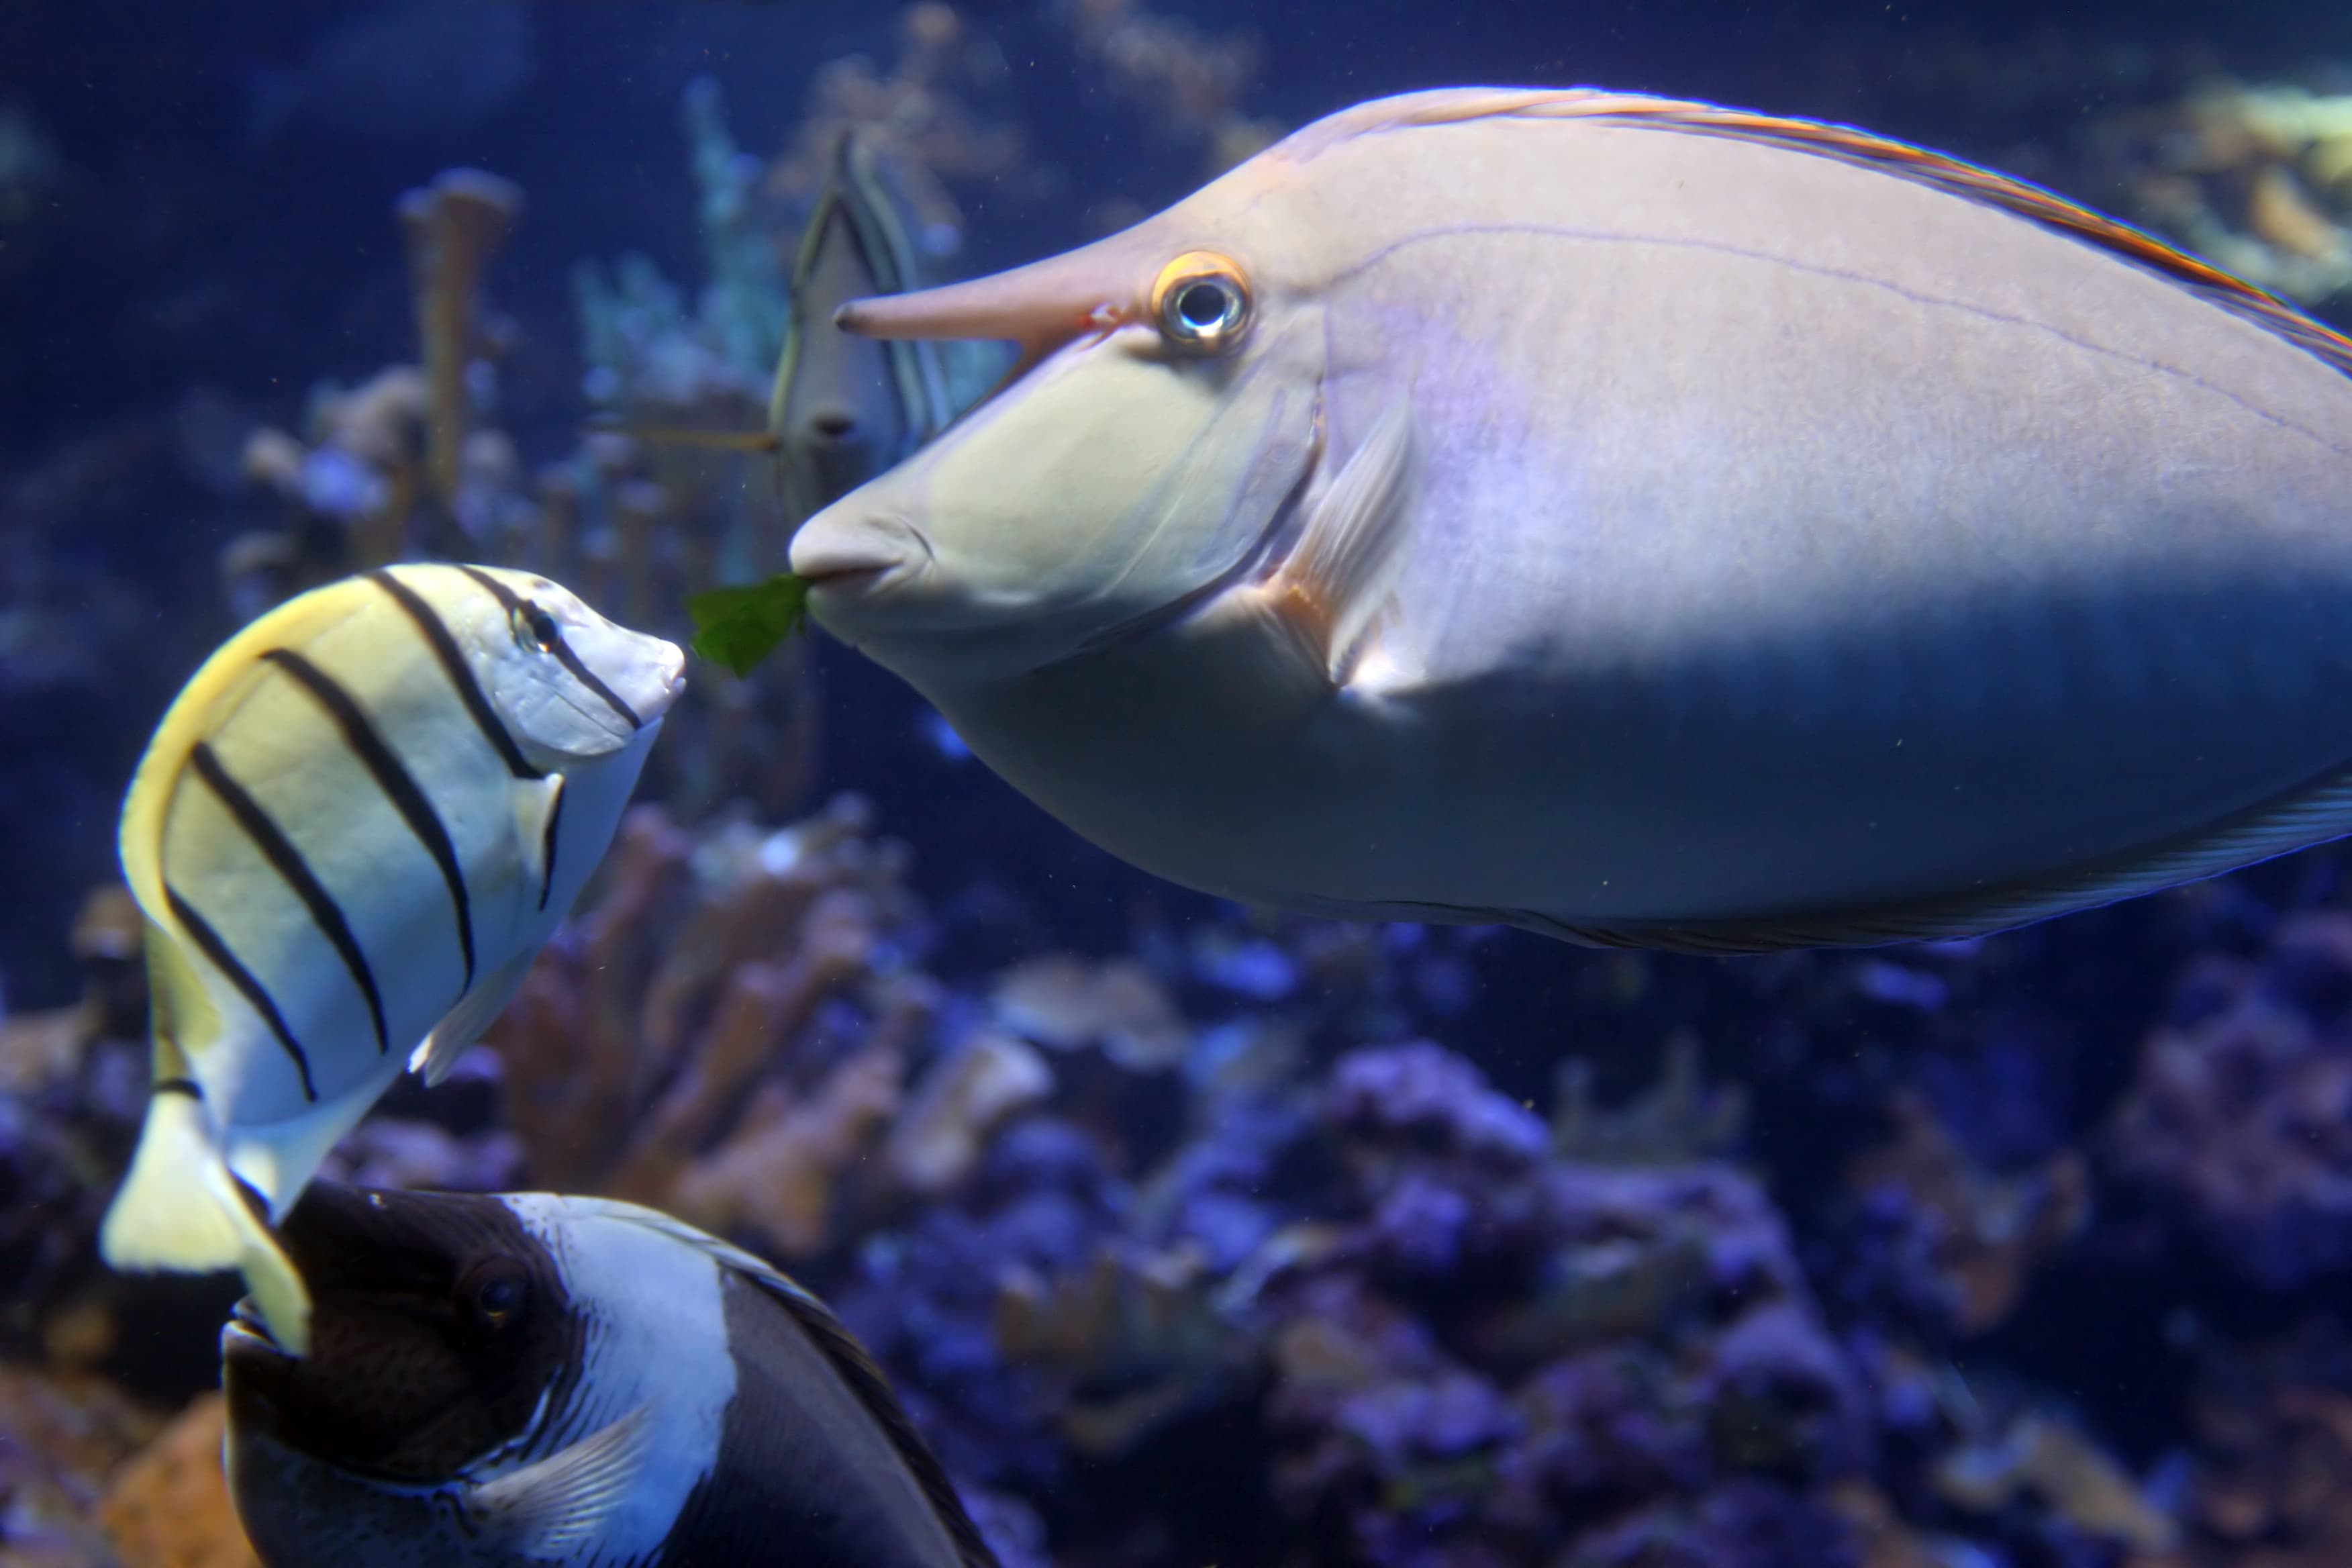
x=350 y=836
x=1637 y=520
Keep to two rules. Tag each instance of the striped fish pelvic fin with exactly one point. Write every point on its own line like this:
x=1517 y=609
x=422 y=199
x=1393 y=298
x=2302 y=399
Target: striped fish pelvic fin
x=539 y=842
x=181 y=1210
x=465 y=1023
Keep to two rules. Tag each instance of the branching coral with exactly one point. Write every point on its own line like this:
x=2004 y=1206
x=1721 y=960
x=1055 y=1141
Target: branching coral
x=2259 y=179
x=919 y=121
x=1191 y=81
x=727 y=1030
x=452 y=228
x=1977 y=1235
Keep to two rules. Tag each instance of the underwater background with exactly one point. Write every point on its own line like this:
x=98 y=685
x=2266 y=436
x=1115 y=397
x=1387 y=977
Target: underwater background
x=1189 y=1235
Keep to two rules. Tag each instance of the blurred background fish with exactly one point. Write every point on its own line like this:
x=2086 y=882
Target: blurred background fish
x=842 y=408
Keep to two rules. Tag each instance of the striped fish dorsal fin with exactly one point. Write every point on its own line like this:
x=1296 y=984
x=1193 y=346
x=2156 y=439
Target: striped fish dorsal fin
x=842 y=1352
x=2020 y=197
x=211 y=696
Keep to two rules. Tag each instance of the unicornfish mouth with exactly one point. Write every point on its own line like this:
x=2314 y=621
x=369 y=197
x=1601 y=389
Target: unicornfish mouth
x=837 y=551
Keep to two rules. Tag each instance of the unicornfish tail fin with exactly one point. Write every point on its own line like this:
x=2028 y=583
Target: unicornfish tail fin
x=181 y=1210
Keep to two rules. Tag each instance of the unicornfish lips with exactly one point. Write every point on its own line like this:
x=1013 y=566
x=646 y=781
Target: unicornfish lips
x=845 y=550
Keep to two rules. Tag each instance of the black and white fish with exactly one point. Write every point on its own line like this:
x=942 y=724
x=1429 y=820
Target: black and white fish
x=353 y=832
x=528 y=1378
x=842 y=408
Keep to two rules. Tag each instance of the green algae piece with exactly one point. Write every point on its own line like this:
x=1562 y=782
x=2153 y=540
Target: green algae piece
x=740 y=626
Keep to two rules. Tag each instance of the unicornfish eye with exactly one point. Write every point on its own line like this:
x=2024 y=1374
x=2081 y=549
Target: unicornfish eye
x=494 y=1292
x=535 y=628
x=1202 y=301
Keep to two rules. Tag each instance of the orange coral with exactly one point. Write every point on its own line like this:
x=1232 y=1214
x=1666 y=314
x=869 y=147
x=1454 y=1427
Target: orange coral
x=169 y=1507
x=667 y=1046
x=918 y=121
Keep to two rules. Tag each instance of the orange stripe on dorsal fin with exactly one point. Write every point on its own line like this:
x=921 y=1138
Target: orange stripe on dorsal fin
x=1457 y=106
x=2021 y=197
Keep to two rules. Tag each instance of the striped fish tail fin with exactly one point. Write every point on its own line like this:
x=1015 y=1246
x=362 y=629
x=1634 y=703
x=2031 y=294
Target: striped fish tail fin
x=182 y=1211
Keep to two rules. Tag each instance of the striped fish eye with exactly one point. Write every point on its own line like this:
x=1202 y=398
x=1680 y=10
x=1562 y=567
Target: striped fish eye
x=534 y=628
x=1202 y=301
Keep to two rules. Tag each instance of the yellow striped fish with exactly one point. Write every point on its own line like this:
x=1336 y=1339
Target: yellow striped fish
x=351 y=833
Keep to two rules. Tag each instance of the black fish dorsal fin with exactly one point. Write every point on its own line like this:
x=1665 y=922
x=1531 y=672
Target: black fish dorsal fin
x=842 y=1352
x=1850 y=145
x=850 y=1358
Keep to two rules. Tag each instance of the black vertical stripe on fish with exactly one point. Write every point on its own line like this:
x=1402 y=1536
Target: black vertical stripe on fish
x=256 y=995
x=563 y=651
x=399 y=786
x=547 y=845
x=461 y=674
x=294 y=871
x=183 y=1086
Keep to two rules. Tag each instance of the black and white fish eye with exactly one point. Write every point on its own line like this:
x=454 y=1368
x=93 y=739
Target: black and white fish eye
x=1202 y=301
x=535 y=630
x=493 y=1295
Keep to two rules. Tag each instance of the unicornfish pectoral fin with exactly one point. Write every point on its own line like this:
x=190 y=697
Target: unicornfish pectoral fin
x=1346 y=561
x=471 y=1019
x=553 y=1511
x=181 y=1209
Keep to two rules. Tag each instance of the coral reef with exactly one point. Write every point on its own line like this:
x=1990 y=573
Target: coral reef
x=1191 y=81
x=452 y=228
x=168 y=1507
x=2240 y=1116
x=60 y=1439
x=726 y=1030
x=1977 y=1235
x=2272 y=1483
x=920 y=120
x=2257 y=179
